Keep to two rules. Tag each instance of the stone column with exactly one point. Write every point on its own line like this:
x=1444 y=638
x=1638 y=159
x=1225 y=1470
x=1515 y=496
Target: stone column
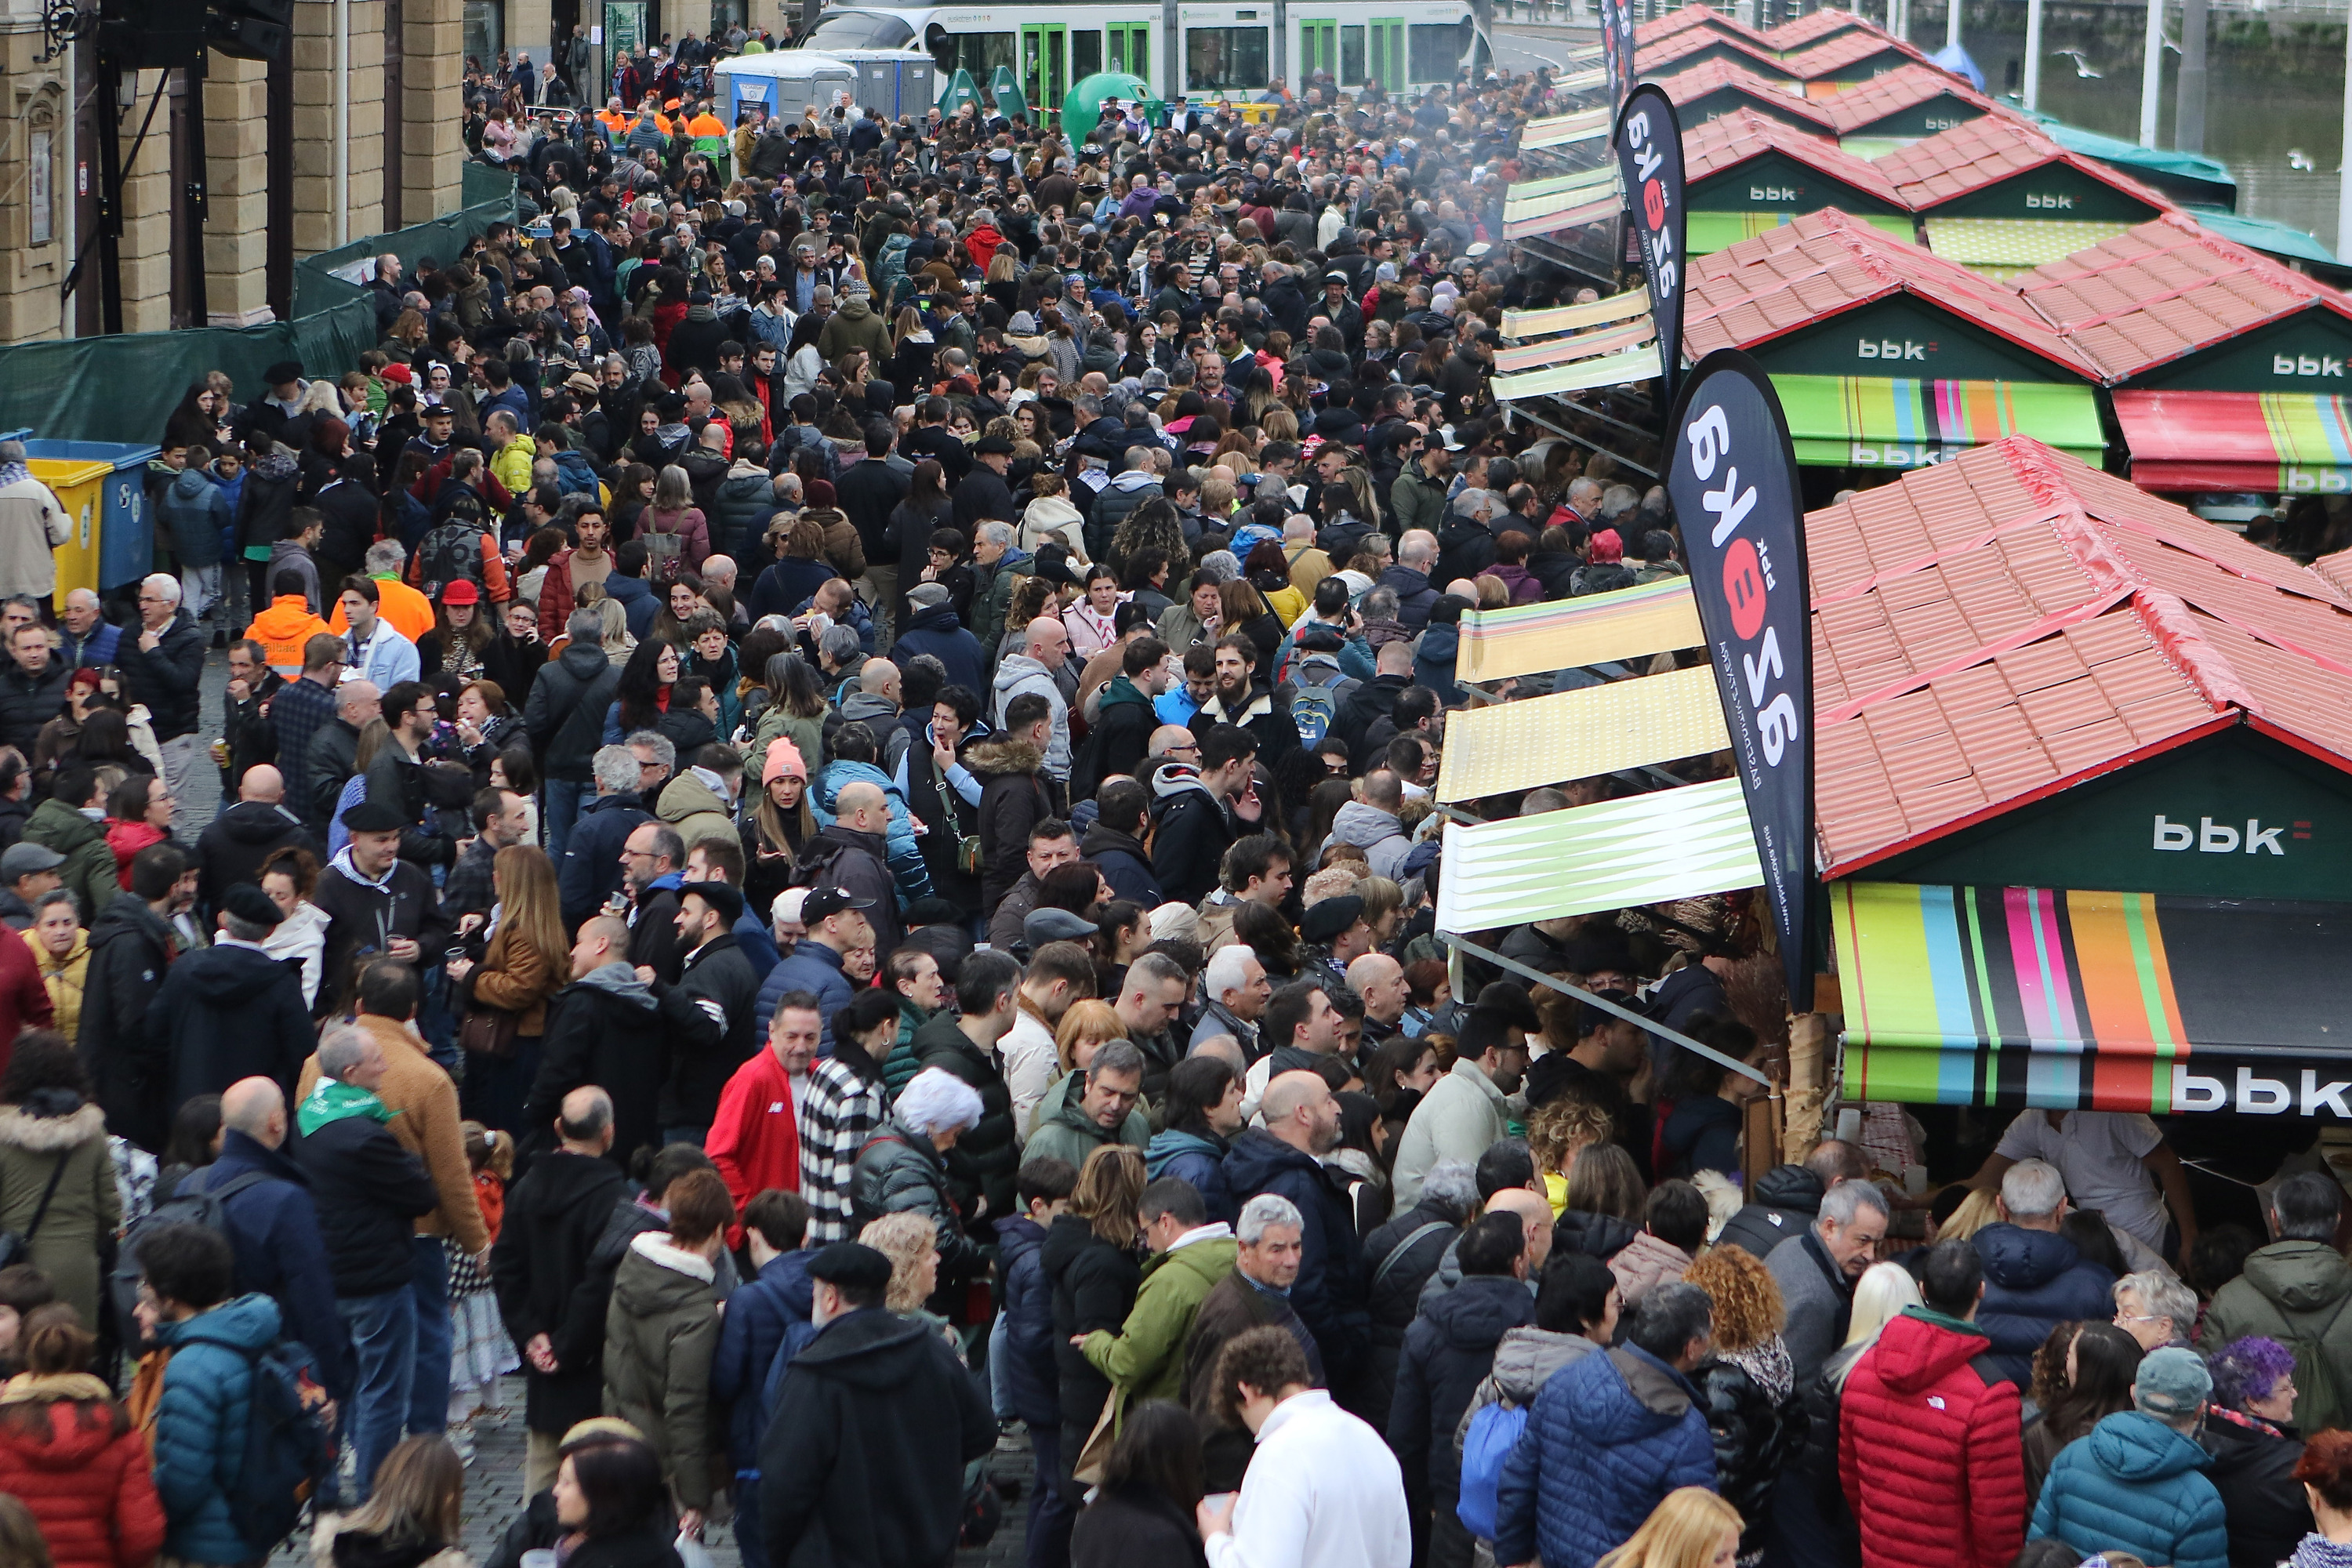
x=431 y=135
x=237 y=224
x=147 y=237
x=30 y=274
x=317 y=126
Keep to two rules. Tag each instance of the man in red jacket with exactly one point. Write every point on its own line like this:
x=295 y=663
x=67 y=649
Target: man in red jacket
x=1927 y=1435
x=755 y=1139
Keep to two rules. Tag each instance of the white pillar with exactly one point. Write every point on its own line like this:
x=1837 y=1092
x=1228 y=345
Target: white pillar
x=1952 y=25
x=2344 y=199
x=2151 y=75
x=2032 y=83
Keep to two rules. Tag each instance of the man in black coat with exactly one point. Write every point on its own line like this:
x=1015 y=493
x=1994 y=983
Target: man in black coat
x=32 y=687
x=131 y=946
x=864 y=1460
x=982 y=495
x=369 y=1191
x=932 y=438
x=597 y=1027
x=719 y=979
x=870 y=491
x=162 y=666
x=1191 y=813
x=232 y=1011
x=539 y=1267
x=565 y=716
x=375 y=900
x=232 y=849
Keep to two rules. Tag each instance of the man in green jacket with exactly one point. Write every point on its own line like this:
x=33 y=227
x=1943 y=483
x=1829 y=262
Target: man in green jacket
x=1191 y=1257
x=71 y=823
x=1096 y=1116
x=1418 y=497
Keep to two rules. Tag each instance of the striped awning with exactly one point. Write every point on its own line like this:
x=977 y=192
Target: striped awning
x=1563 y=129
x=1518 y=326
x=1564 y=634
x=1708 y=232
x=1514 y=746
x=1645 y=850
x=1563 y=202
x=1579 y=345
x=2287 y=443
x=1643 y=363
x=1881 y=422
x=2105 y=1001
x=2014 y=243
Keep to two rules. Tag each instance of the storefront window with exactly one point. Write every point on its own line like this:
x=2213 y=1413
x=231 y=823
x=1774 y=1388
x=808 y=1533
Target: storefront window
x=1222 y=59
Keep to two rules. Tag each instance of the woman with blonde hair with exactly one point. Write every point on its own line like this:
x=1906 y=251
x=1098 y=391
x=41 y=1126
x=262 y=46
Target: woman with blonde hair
x=912 y=1245
x=1692 y=1529
x=1606 y=1202
x=412 y=1516
x=524 y=963
x=1556 y=1131
x=1084 y=1030
x=1089 y=1259
x=1750 y=1388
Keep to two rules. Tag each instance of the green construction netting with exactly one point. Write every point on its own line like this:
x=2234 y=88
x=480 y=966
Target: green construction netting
x=123 y=388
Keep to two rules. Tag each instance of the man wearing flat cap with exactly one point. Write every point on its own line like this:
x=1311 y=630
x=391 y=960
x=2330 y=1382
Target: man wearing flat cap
x=982 y=495
x=718 y=978
x=865 y=1455
x=232 y=1011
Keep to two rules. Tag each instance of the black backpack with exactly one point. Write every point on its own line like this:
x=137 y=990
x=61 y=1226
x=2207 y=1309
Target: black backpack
x=449 y=553
x=190 y=1203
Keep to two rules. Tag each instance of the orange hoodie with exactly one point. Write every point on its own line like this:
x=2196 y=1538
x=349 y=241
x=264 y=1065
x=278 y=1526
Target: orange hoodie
x=282 y=629
x=403 y=609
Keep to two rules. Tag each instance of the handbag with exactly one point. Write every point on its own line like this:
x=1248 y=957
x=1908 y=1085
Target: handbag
x=14 y=1246
x=1095 y=1453
x=487 y=1032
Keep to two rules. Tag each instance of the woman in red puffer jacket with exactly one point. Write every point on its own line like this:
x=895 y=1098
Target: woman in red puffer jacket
x=71 y=1453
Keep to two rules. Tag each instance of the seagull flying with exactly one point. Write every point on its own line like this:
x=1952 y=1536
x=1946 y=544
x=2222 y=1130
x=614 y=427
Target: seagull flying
x=2082 y=65
x=2296 y=158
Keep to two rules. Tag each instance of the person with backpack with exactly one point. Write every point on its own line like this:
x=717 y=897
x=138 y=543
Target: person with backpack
x=234 y=1445
x=462 y=549
x=565 y=716
x=2298 y=1291
x=1319 y=685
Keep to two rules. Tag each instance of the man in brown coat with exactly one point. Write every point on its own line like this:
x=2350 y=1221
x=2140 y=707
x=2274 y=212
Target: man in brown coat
x=1255 y=1294
x=426 y=1122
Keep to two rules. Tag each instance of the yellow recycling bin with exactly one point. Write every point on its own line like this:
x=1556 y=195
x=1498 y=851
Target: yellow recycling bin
x=80 y=489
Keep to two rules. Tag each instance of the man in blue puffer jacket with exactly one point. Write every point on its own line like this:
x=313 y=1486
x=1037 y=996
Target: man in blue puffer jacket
x=2034 y=1277
x=856 y=760
x=206 y=1398
x=1609 y=1437
x=2133 y=1484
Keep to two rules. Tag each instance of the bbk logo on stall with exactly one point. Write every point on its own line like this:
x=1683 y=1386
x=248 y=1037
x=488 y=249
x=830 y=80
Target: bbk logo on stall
x=1733 y=483
x=1650 y=168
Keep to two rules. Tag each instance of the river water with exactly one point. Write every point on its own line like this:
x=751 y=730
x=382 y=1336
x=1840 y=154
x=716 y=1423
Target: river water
x=2273 y=87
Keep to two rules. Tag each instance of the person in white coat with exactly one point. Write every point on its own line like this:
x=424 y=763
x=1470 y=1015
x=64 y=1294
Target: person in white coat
x=1322 y=1491
x=33 y=523
x=1464 y=1111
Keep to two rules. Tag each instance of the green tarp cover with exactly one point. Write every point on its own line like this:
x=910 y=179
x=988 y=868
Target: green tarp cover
x=2266 y=235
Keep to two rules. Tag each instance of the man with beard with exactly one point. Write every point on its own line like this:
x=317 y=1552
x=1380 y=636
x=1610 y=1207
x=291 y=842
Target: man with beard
x=1466 y=1110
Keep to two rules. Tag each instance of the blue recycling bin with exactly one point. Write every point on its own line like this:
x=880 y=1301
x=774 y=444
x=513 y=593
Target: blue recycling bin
x=124 y=546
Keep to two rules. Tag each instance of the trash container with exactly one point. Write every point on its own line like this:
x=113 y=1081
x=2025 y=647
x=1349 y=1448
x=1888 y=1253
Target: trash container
x=114 y=543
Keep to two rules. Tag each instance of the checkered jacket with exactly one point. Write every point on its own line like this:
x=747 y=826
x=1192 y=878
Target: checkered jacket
x=843 y=1110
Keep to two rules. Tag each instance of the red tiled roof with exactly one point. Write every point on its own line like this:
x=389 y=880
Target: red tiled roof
x=1968 y=158
x=1997 y=627
x=1825 y=262
x=2167 y=288
x=2336 y=569
x=1845 y=49
x=1719 y=144
x=1866 y=103
x=1652 y=58
x=1688 y=87
x=1688 y=16
x=1813 y=26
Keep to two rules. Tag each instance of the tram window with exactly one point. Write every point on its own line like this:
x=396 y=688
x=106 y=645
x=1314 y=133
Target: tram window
x=1086 y=55
x=979 y=53
x=860 y=30
x=1432 y=52
x=1221 y=57
x=1352 y=56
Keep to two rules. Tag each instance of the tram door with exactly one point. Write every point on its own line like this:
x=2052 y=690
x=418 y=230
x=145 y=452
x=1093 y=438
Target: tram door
x=1386 y=65
x=1319 y=49
x=1130 y=47
x=1045 y=68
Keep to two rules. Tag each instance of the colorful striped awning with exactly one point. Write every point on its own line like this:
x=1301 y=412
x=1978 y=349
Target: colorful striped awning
x=1515 y=746
x=2289 y=443
x=1878 y=421
x=1518 y=326
x=1708 y=232
x=2102 y=1000
x=1681 y=842
x=1557 y=214
x=1562 y=129
x=1598 y=629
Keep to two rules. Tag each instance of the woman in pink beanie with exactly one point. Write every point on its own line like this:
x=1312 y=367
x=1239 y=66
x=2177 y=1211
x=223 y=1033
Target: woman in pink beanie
x=778 y=825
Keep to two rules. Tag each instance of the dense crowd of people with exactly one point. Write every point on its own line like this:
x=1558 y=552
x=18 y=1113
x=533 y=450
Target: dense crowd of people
x=828 y=857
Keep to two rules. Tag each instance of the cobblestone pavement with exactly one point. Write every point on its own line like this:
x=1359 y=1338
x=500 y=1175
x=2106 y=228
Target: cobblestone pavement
x=494 y=1496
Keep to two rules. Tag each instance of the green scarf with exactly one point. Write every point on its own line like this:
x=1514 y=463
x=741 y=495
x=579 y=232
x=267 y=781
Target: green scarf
x=331 y=1101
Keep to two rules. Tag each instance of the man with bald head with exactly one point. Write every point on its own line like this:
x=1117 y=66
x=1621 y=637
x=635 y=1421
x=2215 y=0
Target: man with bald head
x=1044 y=669
x=273 y=1227
x=1378 y=983
x=239 y=839
x=540 y=1263
x=861 y=827
x=1301 y=1124
x=333 y=754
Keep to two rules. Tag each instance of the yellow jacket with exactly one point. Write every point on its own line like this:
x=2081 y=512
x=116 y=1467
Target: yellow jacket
x=511 y=466
x=64 y=977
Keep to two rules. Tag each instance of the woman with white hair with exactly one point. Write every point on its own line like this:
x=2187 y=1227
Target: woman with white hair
x=903 y=1167
x=1809 y=1508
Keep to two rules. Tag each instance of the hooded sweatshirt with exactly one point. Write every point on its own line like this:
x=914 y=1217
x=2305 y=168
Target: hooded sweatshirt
x=659 y=1336
x=2135 y=1485
x=1018 y=674
x=1377 y=833
x=196 y=511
